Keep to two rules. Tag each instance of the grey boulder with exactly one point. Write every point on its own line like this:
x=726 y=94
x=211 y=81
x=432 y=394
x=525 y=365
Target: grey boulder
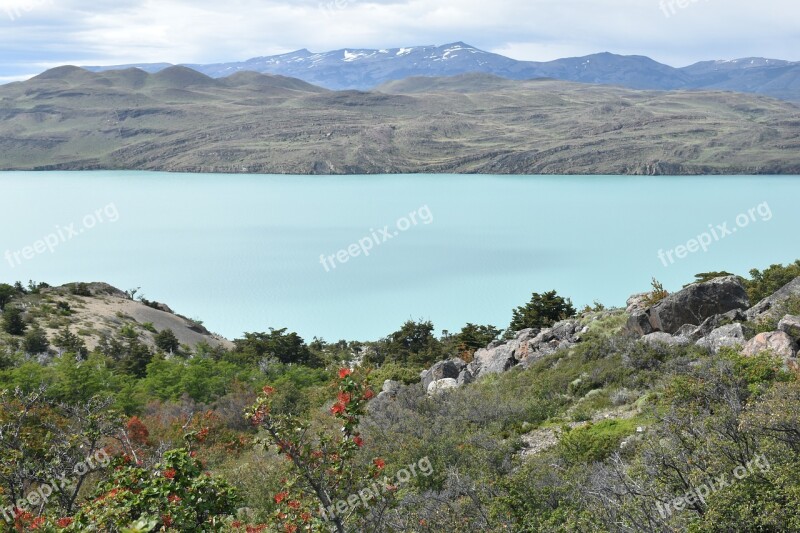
x=725 y=336
x=698 y=302
x=659 y=337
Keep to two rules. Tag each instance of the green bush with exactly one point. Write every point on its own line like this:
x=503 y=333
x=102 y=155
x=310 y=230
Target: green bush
x=594 y=442
x=542 y=311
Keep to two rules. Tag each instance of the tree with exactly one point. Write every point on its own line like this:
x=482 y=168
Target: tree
x=35 y=341
x=70 y=343
x=472 y=338
x=766 y=283
x=708 y=276
x=13 y=321
x=414 y=343
x=288 y=348
x=167 y=341
x=542 y=311
x=7 y=292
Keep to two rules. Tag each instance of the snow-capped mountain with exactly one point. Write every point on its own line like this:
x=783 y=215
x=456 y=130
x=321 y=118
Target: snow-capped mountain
x=364 y=69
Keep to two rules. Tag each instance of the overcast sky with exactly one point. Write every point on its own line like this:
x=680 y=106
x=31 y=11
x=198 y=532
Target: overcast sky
x=39 y=34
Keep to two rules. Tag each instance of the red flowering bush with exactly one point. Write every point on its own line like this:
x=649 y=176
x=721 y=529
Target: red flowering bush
x=323 y=463
x=176 y=495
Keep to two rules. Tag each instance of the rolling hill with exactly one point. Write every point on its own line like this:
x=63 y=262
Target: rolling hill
x=178 y=119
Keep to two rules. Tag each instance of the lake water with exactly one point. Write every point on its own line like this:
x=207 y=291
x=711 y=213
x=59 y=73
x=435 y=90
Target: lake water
x=243 y=252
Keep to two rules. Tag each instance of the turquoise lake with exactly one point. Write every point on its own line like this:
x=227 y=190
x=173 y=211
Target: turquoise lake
x=245 y=253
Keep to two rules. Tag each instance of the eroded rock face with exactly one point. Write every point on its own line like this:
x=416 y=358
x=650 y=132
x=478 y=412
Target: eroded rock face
x=725 y=336
x=698 y=302
x=771 y=305
x=777 y=342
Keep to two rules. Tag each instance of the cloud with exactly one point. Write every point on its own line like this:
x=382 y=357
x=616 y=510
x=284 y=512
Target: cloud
x=37 y=34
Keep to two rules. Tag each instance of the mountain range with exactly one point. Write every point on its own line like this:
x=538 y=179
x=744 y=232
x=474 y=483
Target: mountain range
x=365 y=69
x=178 y=119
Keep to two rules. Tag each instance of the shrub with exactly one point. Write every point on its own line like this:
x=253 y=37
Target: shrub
x=767 y=282
x=542 y=311
x=13 y=321
x=594 y=442
x=35 y=341
x=167 y=341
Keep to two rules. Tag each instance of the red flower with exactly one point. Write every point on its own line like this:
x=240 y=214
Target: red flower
x=269 y=391
x=290 y=528
x=380 y=463
x=64 y=522
x=236 y=523
x=294 y=504
x=306 y=517
x=369 y=394
x=170 y=474
x=167 y=519
x=174 y=498
x=281 y=496
x=317 y=454
x=344 y=372
x=337 y=408
x=37 y=522
x=358 y=440
x=344 y=397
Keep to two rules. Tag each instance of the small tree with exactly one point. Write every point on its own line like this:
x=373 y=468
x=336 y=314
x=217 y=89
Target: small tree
x=167 y=341
x=35 y=341
x=7 y=292
x=71 y=343
x=542 y=311
x=13 y=321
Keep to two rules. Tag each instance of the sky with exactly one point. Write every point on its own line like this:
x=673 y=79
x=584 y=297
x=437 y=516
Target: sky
x=39 y=34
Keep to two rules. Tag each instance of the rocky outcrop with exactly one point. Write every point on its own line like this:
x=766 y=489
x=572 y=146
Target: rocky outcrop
x=691 y=306
x=527 y=346
x=698 y=302
x=773 y=305
x=725 y=336
x=777 y=342
x=450 y=369
x=695 y=333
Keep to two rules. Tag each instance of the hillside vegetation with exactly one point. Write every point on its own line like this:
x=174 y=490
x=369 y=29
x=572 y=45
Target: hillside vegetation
x=587 y=425
x=181 y=120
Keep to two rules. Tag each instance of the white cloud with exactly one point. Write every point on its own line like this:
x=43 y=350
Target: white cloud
x=51 y=32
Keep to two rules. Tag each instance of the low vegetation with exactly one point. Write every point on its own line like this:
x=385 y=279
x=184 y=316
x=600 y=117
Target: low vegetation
x=277 y=434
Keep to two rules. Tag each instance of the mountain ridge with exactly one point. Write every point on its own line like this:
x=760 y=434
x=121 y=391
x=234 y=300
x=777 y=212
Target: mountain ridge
x=366 y=69
x=184 y=121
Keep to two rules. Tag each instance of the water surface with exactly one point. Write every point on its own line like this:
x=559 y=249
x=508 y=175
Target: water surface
x=243 y=252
